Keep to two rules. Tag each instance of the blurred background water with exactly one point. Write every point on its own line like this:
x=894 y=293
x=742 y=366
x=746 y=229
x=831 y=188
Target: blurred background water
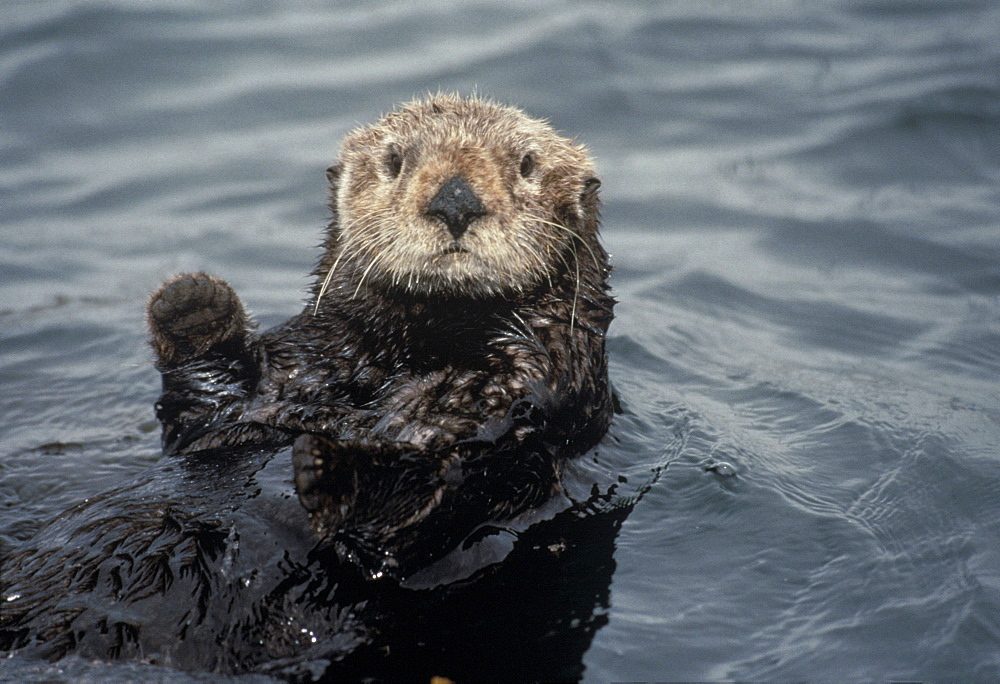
x=802 y=204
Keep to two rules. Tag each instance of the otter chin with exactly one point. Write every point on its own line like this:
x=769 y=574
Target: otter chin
x=452 y=355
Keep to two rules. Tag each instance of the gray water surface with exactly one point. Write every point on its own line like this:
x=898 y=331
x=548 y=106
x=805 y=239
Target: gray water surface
x=802 y=201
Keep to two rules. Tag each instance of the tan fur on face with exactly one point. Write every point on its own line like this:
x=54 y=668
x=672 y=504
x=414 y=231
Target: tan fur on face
x=386 y=237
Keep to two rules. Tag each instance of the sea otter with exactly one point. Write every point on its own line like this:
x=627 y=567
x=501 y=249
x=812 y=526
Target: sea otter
x=452 y=354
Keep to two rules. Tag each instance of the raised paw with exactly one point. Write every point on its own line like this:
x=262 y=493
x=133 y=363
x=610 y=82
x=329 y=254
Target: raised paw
x=191 y=313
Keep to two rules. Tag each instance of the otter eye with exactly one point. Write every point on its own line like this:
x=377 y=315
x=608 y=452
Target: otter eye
x=394 y=164
x=527 y=165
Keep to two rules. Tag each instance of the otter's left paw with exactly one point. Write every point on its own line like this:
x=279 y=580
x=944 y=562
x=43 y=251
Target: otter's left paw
x=190 y=314
x=311 y=461
x=330 y=474
x=368 y=487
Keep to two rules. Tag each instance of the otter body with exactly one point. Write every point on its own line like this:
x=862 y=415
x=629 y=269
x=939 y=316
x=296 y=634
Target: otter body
x=456 y=331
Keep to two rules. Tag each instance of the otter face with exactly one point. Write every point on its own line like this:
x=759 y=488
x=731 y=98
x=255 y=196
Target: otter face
x=460 y=197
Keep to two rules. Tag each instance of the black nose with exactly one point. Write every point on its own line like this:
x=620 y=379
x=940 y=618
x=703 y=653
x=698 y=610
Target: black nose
x=457 y=205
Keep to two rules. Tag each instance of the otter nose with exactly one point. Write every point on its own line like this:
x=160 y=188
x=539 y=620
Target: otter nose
x=457 y=205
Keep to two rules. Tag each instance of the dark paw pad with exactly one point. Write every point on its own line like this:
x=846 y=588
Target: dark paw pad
x=309 y=461
x=191 y=313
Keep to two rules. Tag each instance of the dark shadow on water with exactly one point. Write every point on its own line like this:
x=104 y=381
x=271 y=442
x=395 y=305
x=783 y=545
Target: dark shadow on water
x=206 y=563
x=530 y=618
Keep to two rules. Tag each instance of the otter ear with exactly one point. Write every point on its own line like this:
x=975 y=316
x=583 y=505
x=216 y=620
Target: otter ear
x=333 y=175
x=589 y=201
x=590 y=186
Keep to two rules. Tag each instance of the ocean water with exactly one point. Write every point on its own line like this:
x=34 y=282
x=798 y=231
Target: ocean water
x=802 y=201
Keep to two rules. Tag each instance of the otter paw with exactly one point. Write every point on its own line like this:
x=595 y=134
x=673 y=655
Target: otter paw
x=308 y=461
x=190 y=314
x=370 y=487
x=327 y=477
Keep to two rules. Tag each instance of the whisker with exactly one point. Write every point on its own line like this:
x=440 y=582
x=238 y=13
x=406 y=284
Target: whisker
x=376 y=248
x=326 y=280
x=365 y=275
x=576 y=287
x=576 y=290
x=572 y=232
x=379 y=221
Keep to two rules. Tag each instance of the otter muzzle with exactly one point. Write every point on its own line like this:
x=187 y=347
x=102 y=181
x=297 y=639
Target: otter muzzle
x=457 y=205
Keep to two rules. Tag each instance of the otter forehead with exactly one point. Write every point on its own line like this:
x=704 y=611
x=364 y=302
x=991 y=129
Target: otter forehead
x=449 y=124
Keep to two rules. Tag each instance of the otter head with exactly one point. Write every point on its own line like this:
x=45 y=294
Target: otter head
x=459 y=197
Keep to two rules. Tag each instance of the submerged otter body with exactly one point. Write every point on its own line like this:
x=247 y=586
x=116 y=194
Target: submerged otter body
x=450 y=361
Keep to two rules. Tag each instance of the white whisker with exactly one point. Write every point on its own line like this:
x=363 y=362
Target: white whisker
x=326 y=280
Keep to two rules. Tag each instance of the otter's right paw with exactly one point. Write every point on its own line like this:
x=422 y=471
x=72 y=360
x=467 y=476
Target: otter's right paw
x=190 y=314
